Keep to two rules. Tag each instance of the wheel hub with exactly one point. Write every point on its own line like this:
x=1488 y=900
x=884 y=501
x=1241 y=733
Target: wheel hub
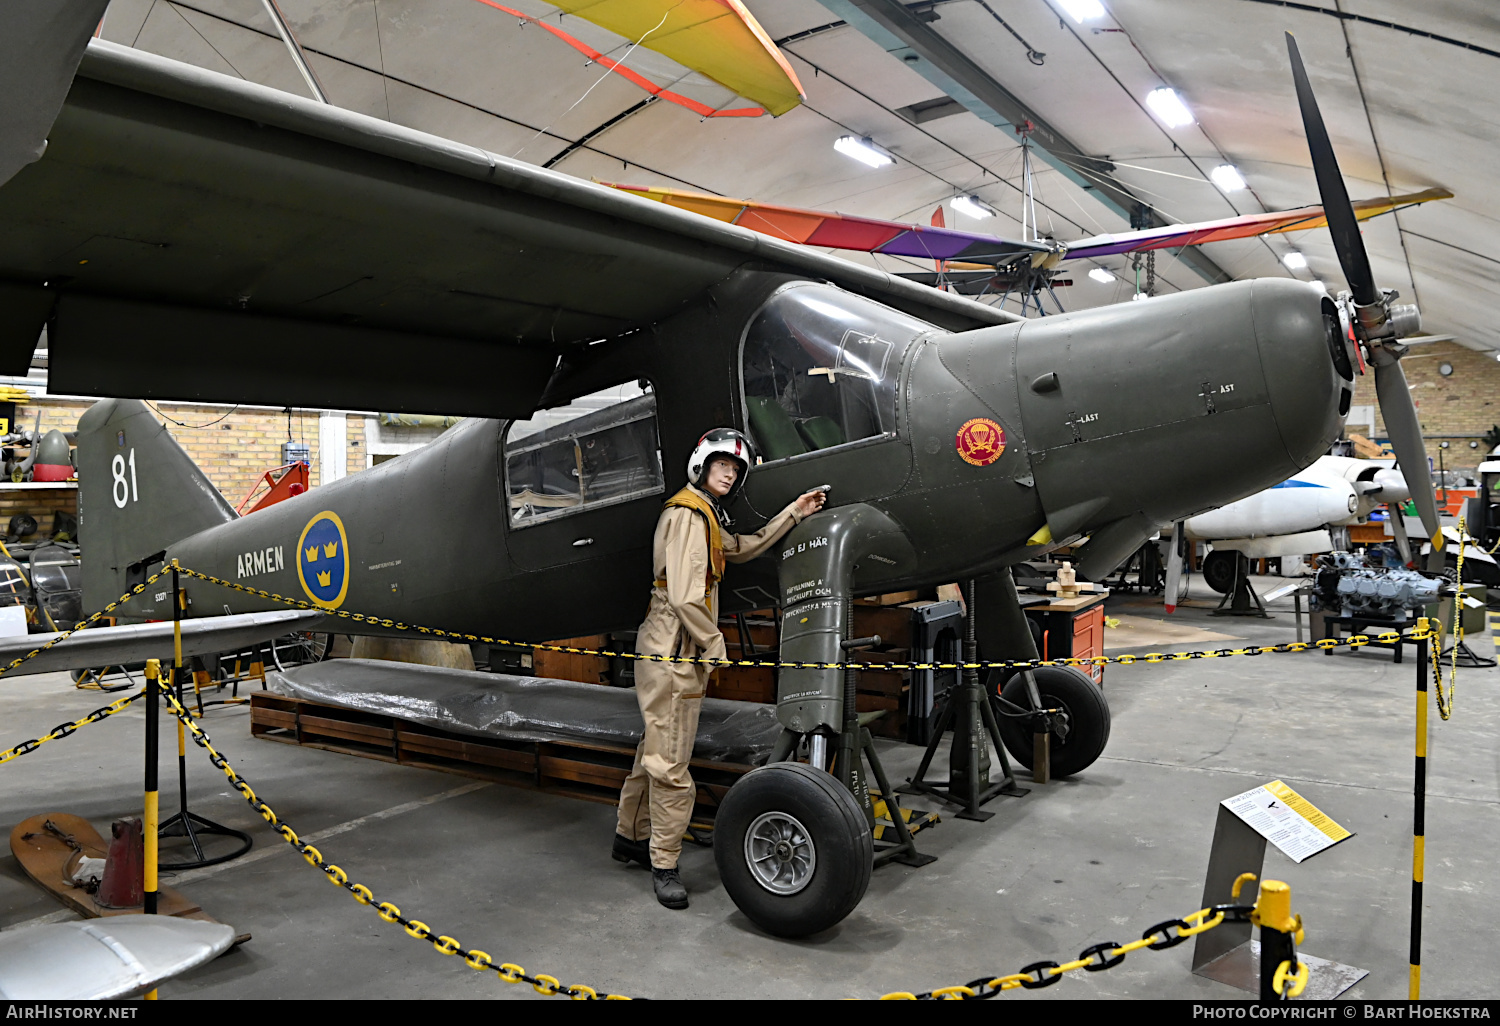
x=780 y=853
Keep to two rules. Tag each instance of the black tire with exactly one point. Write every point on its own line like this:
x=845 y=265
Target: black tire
x=1218 y=570
x=835 y=829
x=1088 y=719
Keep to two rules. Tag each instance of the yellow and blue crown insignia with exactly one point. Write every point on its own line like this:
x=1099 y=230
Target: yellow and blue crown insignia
x=323 y=560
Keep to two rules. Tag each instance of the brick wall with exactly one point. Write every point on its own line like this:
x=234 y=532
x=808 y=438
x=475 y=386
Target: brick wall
x=232 y=451
x=1464 y=404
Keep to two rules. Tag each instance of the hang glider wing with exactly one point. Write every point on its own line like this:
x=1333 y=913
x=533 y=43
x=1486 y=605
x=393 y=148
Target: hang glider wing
x=717 y=38
x=627 y=73
x=1301 y=219
x=843 y=231
x=188 y=235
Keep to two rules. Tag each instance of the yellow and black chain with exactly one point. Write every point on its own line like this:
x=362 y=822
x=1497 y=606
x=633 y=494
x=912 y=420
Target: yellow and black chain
x=1355 y=641
x=80 y=625
x=118 y=705
x=27 y=747
x=444 y=945
x=1445 y=701
x=1099 y=957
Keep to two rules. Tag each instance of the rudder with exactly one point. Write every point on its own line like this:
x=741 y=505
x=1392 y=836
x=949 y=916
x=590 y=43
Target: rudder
x=138 y=492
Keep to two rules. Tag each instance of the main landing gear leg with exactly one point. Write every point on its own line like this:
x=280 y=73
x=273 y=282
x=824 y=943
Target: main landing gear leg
x=793 y=841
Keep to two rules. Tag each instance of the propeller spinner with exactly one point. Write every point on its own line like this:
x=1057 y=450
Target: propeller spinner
x=1377 y=321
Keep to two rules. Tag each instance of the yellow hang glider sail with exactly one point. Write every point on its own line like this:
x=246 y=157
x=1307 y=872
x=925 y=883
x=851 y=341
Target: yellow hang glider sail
x=719 y=39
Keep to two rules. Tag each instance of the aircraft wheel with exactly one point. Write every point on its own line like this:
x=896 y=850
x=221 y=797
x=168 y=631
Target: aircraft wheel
x=793 y=849
x=302 y=647
x=1072 y=691
x=1218 y=569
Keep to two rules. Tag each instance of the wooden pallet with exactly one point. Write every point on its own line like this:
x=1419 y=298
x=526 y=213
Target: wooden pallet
x=587 y=770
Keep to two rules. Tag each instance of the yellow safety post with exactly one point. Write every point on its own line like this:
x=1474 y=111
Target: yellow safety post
x=1281 y=974
x=153 y=676
x=1419 y=814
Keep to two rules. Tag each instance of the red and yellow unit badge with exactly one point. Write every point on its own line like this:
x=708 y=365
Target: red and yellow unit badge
x=980 y=441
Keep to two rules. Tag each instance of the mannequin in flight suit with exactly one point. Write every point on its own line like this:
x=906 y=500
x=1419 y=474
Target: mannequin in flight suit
x=688 y=555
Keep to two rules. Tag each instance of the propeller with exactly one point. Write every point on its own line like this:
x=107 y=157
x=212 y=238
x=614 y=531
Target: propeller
x=1375 y=320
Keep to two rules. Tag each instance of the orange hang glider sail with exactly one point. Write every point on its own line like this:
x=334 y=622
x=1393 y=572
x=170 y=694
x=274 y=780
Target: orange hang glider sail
x=719 y=39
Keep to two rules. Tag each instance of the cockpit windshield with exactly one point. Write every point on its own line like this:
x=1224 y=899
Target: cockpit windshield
x=821 y=367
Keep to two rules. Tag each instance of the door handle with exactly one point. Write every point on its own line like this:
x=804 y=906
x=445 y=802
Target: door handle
x=581 y=542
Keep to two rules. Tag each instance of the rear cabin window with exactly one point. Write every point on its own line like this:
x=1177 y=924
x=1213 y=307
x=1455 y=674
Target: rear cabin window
x=598 y=450
x=820 y=369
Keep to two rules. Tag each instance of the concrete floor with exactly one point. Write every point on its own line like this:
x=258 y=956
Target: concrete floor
x=527 y=876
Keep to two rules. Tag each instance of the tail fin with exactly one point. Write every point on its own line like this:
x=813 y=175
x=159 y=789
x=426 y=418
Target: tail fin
x=138 y=492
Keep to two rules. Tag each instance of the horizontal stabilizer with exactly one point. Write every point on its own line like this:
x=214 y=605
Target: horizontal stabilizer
x=134 y=643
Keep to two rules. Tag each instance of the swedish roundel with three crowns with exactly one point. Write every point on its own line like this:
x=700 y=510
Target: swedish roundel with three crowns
x=323 y=560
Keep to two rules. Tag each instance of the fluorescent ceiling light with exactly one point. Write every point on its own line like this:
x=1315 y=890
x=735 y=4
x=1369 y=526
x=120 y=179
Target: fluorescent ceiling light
x=1083 y=10
x=971 y=206
x=862 y=150
x=1228 y=178
x=1294 y=261
x=1167 y=105
x=1102 y=276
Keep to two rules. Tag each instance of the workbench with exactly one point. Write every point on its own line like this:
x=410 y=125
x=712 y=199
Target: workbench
x=1072 y=628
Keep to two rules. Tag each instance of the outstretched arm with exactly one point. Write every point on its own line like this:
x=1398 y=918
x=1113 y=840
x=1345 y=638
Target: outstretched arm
x=738 y=548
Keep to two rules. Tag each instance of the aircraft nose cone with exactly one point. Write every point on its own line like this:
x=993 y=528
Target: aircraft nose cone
x=1300 y=354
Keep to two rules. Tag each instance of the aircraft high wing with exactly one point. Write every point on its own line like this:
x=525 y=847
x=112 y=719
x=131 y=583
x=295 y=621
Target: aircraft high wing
x=166 y=205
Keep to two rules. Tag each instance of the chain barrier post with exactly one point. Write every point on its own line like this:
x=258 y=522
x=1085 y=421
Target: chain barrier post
x=1419 y=814
x=153 y=701
x=1281 y=975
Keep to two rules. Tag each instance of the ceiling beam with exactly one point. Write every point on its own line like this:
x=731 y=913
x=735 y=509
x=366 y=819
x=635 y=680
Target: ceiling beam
x=902 y=33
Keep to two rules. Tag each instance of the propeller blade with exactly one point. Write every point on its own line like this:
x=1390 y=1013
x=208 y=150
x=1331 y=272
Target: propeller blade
x=1400 y=415
x=1342 y=223
x=1398 y=528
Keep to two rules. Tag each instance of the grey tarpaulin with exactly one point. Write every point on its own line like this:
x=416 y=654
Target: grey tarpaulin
x=519 y=708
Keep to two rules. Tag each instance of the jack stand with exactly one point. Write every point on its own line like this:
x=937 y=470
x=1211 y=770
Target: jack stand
x=855 y=745
x=1467 y=657
x=190 y=824
x=969 y=713
x=1241 y=596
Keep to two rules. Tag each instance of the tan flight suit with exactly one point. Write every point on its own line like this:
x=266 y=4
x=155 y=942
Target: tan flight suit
x=682 y=619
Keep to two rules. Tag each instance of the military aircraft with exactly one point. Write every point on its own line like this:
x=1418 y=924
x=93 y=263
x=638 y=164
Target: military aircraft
x=1299 y=516
x=184 y=234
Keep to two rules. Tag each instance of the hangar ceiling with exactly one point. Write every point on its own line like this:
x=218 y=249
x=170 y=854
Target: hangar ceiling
x=1407 y=94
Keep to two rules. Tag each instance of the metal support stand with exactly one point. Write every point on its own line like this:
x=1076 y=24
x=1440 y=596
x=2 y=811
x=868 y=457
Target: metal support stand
x=1467 y=657
x=856 y=745
x=186 y=823
x=1242 y=599
x=969 y=713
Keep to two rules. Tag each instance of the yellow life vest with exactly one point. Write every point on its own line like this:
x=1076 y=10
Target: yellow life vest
x=690 y=499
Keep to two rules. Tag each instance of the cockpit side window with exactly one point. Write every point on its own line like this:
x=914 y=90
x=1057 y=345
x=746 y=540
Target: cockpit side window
x=820 y=369
x=598 y=450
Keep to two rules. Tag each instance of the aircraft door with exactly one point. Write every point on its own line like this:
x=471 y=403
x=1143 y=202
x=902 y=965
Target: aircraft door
x=583 y=482
x=820 y=370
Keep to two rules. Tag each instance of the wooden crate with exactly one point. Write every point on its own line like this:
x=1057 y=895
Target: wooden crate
x=590 y=771
x=588 y=669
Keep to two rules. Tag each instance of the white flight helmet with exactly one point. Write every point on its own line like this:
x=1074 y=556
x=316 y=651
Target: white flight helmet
x=725 y=442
